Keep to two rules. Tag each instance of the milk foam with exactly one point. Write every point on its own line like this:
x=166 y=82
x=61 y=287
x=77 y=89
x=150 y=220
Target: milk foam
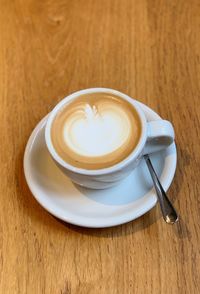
x=96 y=131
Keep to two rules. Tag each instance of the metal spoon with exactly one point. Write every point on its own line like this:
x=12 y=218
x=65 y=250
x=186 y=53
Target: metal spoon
x=168 y=211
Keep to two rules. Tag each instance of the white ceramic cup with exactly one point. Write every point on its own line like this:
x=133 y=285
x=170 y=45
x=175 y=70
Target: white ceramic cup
x=155 y=135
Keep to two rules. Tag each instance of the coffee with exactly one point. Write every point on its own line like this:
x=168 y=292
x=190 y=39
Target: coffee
x=95 y=130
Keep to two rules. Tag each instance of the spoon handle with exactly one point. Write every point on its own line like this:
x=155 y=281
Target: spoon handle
x=168 y=211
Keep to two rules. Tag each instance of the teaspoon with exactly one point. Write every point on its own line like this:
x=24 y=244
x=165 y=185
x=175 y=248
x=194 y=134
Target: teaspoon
x=168 y=211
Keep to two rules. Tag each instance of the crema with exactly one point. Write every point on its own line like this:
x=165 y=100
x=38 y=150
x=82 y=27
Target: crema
x=95 y=131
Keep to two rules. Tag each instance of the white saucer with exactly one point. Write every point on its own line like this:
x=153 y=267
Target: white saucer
x=132 y=198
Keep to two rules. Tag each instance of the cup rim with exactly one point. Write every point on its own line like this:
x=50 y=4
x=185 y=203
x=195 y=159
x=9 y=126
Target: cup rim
x=93 y=172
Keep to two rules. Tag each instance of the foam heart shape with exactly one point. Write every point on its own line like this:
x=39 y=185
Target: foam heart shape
x=96 y=132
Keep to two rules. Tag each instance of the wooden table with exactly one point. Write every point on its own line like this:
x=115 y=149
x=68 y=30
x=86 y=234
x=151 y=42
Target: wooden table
x=147 y=49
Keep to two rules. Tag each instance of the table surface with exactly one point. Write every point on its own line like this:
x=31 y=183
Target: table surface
x=147 y=49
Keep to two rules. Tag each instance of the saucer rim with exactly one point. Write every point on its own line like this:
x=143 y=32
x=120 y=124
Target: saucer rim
x=87 y=221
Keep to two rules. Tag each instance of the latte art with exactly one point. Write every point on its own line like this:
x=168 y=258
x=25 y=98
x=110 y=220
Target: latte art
x=95 y=131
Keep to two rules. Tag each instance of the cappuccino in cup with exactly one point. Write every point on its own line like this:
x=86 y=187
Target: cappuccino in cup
x=96 y=130
x=98 y=136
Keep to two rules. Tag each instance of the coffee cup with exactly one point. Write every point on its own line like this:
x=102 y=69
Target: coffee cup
x=80 y=129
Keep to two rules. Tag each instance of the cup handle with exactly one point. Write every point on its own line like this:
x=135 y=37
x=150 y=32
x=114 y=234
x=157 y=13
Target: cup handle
x=160 y=134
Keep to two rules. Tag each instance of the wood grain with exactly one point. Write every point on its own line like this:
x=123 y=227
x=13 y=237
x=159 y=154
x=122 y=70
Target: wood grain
x=147 y=49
